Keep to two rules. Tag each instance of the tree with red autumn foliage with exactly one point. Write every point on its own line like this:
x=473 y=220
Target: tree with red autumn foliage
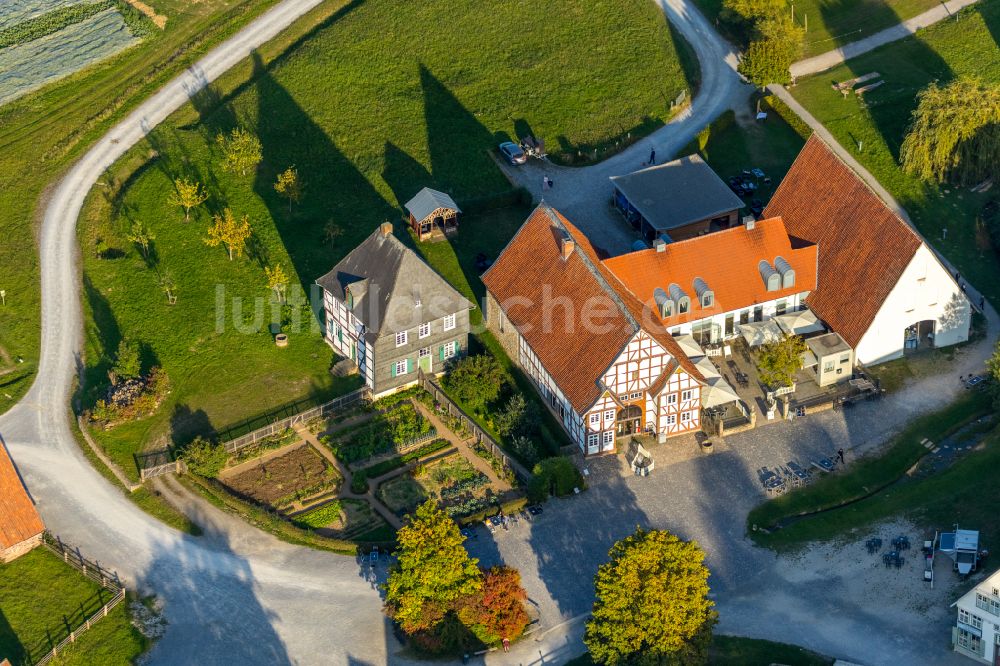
x=496 y=611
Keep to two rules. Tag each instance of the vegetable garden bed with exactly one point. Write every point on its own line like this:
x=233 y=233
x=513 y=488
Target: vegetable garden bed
x=283 y=480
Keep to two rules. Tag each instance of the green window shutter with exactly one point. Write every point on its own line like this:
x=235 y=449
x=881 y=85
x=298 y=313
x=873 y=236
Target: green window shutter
x=409 y=365
x=392 y=369
x=441 y=352
x=458 y=347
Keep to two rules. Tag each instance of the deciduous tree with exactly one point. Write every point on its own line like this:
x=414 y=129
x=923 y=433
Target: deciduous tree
x=752 y=10
x=241 y=151
x=229 y=231
x=476 y=380
x=169 y=286
x=954 y=135
x=289 y=186
x=142 y=236
x=497 y=610
x=652 y=603
x=332 y=231
x=433 y=570
x=777 y=42
x=277 y=281
x=779 y=361
x=187 y=194
x=204 y=457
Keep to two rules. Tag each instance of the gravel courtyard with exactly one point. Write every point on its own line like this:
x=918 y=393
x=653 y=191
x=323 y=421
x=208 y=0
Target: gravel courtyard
x=832 y=598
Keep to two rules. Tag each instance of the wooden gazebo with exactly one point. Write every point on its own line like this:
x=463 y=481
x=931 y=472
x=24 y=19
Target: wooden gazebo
x=432 y=213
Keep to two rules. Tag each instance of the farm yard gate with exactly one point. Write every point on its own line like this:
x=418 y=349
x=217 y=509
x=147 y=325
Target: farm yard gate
x=107 y=579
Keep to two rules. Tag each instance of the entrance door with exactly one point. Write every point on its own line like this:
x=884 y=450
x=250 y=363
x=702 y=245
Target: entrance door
x=424 y=359
x=629 y=421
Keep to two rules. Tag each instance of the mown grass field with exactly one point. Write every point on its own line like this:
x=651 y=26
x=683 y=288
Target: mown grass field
x=866 y=492
x=40 y=595
x=369 y=109
x=873 y=129
x=832 y=23
x=42 y=133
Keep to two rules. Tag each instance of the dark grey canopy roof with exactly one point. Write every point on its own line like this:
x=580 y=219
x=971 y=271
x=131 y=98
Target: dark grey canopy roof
x=677 y=193
x=393 y=289
x=427 y=201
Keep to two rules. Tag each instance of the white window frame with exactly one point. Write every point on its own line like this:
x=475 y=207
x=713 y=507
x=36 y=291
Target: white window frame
x=609 y=415
x=423 y=353
x=672 y=399
x=595 y=419
x=401 y=368
x=449 y=322
x=608 y=437
x=671 y=419
x=685 y=417
x=593 y=439
x=635 y=396
x=401 y=339
x=450 y=350
x=686 y=395
x=424 y=330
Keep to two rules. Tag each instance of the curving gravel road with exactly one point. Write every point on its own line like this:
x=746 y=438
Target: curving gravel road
x=237 y=595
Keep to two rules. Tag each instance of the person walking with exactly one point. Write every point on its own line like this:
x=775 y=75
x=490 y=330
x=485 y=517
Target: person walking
x=840 y=454
x=652 y=156
x=545 y=183
x=506 y=644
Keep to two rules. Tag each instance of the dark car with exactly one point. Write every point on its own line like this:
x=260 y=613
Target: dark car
x=513 y=153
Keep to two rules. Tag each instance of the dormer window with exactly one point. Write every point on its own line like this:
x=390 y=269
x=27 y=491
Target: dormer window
x=707 y=300
x=771 y=277
x=349 y=297
x=683 y=305
x=664 y=304
x=705 y=295
x=680 y=297
x=786 y=271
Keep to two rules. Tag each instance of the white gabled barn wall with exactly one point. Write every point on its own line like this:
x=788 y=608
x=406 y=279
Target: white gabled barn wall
x=925 y=291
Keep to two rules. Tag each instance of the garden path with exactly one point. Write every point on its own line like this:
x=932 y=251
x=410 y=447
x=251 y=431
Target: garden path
x=345 y=471
x=832 y=58
x=464 y=448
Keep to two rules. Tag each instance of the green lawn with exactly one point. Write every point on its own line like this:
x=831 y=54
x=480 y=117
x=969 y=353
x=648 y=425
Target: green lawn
x=964 y=46
x=424 y=115
x=42 y=133
x=832 y=23
x=866 y=491
x=729 y=147
x=41 y=598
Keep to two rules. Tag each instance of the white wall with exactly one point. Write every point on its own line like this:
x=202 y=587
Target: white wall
x=925 y=291
x=792 y=304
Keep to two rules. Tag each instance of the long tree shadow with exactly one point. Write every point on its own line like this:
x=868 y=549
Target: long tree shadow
x=403 y=173
x=212 y=607
x=906 y=67
x=336 y=192
x=104 y=333
x=12 y=647
x=186 y=424
x=457 y=142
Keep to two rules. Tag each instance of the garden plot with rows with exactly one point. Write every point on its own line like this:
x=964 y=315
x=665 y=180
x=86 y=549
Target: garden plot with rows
x=396 y=429
x=347 y=519
x=460 y=487
x=283 y=481
x=43 y=40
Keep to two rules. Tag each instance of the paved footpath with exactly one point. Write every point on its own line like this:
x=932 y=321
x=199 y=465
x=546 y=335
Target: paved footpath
x=825 y=61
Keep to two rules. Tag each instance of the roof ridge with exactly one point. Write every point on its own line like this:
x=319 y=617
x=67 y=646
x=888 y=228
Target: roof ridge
x=826 y=145
x=589 y=265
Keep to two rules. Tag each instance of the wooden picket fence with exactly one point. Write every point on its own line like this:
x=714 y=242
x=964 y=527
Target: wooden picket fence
x=107 y=579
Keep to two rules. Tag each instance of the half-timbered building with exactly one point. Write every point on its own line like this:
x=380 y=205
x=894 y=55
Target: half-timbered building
x=604 y=366
x=391 y=314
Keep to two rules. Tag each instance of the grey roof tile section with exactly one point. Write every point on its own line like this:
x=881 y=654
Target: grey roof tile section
x=677 y=193
x=427 y=201
x=387 y=279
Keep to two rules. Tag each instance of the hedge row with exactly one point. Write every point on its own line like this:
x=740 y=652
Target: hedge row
x=779 y=107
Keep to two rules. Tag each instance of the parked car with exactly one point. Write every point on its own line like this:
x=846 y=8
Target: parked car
x=513 y=153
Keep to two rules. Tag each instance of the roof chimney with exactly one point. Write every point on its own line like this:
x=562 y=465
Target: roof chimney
x=749 y=221
x=385 y=228
x=660 y=245
x=567 y=248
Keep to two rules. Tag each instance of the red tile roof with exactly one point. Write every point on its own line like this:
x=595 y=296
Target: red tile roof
x=864 y=247
x=573 y=313
x=727 y=261
x=19 y=520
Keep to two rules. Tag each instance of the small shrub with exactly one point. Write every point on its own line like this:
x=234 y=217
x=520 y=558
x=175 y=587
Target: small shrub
x=554 y=476
x=359 y=482
x=204 y=457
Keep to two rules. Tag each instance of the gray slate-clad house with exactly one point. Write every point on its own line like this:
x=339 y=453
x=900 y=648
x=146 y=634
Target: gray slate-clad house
x=391 y=313
x=676 y=200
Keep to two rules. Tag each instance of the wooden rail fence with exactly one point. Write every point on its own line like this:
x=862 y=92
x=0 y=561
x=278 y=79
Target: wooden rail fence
x=163 y=461
x=107 y=579
x=480 y=435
